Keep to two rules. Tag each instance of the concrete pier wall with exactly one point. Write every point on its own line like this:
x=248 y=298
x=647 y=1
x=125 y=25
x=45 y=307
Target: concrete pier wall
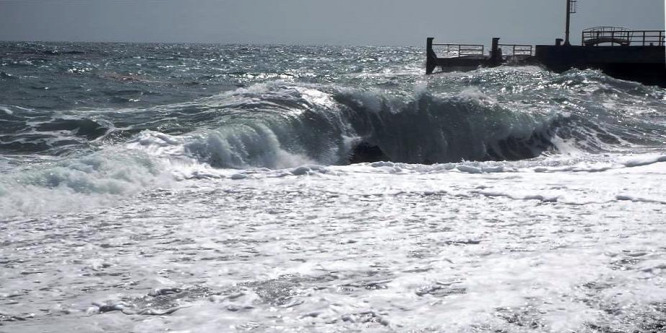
x=645 y=64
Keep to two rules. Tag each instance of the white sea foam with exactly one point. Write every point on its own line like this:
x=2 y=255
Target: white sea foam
x=644 y=160
x=377 y=246
x=78 y=184
x=6 y=110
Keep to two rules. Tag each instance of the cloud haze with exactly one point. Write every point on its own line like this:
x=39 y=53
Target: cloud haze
x=357 y=22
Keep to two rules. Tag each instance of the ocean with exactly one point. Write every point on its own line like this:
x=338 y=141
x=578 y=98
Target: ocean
x=233 y=188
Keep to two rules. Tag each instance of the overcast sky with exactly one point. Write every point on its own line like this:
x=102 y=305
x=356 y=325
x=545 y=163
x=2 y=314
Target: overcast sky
x=355 y=22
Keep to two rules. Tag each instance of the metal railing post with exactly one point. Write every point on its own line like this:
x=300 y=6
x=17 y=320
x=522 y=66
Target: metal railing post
x=566 y=32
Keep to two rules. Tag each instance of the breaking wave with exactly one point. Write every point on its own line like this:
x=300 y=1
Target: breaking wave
x=333 y=129
x=277 y=126
x=281 y=125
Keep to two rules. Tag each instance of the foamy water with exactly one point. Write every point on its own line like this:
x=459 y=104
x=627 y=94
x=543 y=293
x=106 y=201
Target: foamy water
x=206 y=193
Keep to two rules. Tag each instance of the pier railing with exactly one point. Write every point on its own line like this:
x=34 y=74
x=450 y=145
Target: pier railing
x=516 y=49
x=460 y=50
x=622 y=36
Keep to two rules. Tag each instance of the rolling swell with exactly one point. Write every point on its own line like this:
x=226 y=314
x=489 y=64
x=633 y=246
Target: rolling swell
x=40 y=134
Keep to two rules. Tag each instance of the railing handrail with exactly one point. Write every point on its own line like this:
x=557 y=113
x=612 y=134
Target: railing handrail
x=521 y=45
x=594 y=36
x=463 y=49
x=518 y=49
x=605 y=28
x=456 y=44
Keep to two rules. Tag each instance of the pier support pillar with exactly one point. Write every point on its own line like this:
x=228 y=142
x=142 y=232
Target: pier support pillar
x=495 y=53
x=431 y=57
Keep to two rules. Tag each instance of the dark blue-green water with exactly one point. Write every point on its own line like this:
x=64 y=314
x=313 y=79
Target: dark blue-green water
x=64 y=98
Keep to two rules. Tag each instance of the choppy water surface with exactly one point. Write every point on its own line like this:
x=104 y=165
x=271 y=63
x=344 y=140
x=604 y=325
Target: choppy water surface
x=201 y=188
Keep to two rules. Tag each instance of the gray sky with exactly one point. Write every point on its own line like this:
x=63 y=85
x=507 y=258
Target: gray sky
x=356 y=22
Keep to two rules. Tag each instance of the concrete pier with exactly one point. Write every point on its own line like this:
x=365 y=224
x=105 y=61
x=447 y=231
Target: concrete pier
x=645 y=64
x=632 y=55
x=637 y=55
